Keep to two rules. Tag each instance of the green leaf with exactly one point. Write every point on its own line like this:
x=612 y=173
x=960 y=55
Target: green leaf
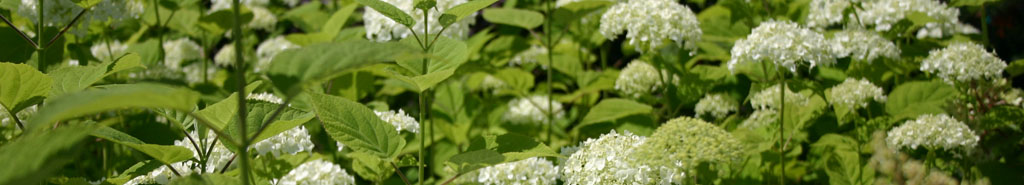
x=259 y=112
x=525 y=19
x=356 y=126
x=614 y=108
x=206 y=179
x=916 y=98
x=113 y=97
x=1015 y=68
x=469 y=161
x=445 y=57
x=163 y=153
x=221 y=113
x=126 y=62
x=461 y=11
x=223 y=20
x=77 y=78
x=512 y=146
x=321 y=62
x=33 y=156
x=86 y=3
x=22 y=86
x=390 y=11
x=329 y=31
x=518 y=80
x=307 y=17
x=15 y=49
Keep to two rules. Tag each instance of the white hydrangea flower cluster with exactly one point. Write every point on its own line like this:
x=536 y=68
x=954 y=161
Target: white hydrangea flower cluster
x=533 y=109
x=194 y=72
x=382 y=28
x=649 y=23
x=225 y=57
x=863 y=45
x=270 y=48
x=291 y=141
x=783 y=43
x=760 y=118
x=823 y=13
x=853 y=93
x=400 y=120
x=609 y=159
x=181 y=50
x=683 y=143
x=266 y=97
x=639 y=78
x=108 y=50
x=716 y=105
x=529 y=56
x=933 y=132
x=530 y=171
x=60 y=12
x=218 y=157
x=766 y=106
x=963 y=62
x=884 y=14
x=316 y=172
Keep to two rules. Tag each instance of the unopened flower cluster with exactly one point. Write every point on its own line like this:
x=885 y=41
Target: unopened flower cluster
x=863 y=45
x=716 y=105
x=649 y=23
x=854 y=93
x=270 y=48
x=180 y=50
x=530 y=171
x=783 y=43
x=933 y=132
x=400 y=120
x=291 y=141
x=684 y=142
x=316 y=172
x=382 y=28
x=610 y=159
x=640 y=78
x=963 y=62
x=532 y=110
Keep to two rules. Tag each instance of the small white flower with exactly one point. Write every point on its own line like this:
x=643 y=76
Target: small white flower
x=180 y=50
x=823 y=13
x=783 y=43
x=72 y=62
x=863 y=45
x=6 y=119
x=933 y=132
x=316 y=172
x=382 y=28
x=533 y=109
x=266 y=97
x=400 y=120
x=640 y=78
x=108 y=50
x=530 y=171
x=270 y=48
x=649 y=23
x=608 y=159
x=340 y=146
x=292 y=141
x=194 y=72
x=963 y=62
x=491 y=82
x=768 y=98
x=716 y=105
x=854 y=93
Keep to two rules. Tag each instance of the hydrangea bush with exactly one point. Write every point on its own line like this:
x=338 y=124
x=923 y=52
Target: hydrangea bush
x=527 y=92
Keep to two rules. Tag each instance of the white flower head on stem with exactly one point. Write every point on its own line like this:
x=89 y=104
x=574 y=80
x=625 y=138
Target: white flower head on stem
x=609 y=159
x=768 y=98
x=108 y=50
x=316 y=172
x=649 y=23
x=823 y=13
x=639 y=78
x=291 y=141
x=181 y=50
x=400 y=120
x=963 y=62
x=863 y=45
x=785 y=44
x=854 y=93
x=716 y=105
x=933 y=132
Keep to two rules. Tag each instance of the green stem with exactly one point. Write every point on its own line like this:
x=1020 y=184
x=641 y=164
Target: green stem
x=160 y=35
x=240 y=81
x=39 y=36
x=929 y=162
x=550 y=75
x=423 y=139
x=782 y=127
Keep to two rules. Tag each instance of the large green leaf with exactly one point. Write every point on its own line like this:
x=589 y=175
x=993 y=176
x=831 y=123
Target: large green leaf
x=916 y=98
x=77 y=78
x=221 y=113
x=329 y=31
x=320 y=62
x=32 y=157
x=390 y=11
x=356 y=126
x=525 y=19
x=258 y=114
x=22 y=86
x=221 y=21
x=114 y=97
x=445 y=57
x=472 y=160
x=614 y=108
x=163 y=153
x=463 y=10
x=516 y=79
x=512 y=146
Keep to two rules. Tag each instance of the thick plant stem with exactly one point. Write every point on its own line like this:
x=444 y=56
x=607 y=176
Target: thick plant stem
x=240 y=81
x=782 y=127
x=39 y=36
x=550 y=44
x=423 y=139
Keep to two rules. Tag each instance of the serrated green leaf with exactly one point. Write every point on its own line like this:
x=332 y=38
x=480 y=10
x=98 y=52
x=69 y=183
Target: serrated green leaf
x=390 y=11
x=320 y=62
x=512 y=146
x=22 y=86
x=356 y=126
x=516 y=79
x=32 y=157
x=525 y=19
x=445 y=57
x=329 y=31
x=469 y=161
x=258 y=113
x=614 y=108
x=459 y=12
x=113 y=97
x=126 y=62
x=163 y=153
x=916 y=98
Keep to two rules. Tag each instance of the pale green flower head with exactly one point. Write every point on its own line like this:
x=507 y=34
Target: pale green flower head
x=639 y=78
x=316 y=172
x=530 y=171
x=785 y=44
x=612 y=159
x=262 y=19
x=648 y=23
x=716 y=105
x=854 y=93
x=933 y=132
x=863 y=45
x=529 y=56
x=963 y=62
x=685 y=142
x=760 y=118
